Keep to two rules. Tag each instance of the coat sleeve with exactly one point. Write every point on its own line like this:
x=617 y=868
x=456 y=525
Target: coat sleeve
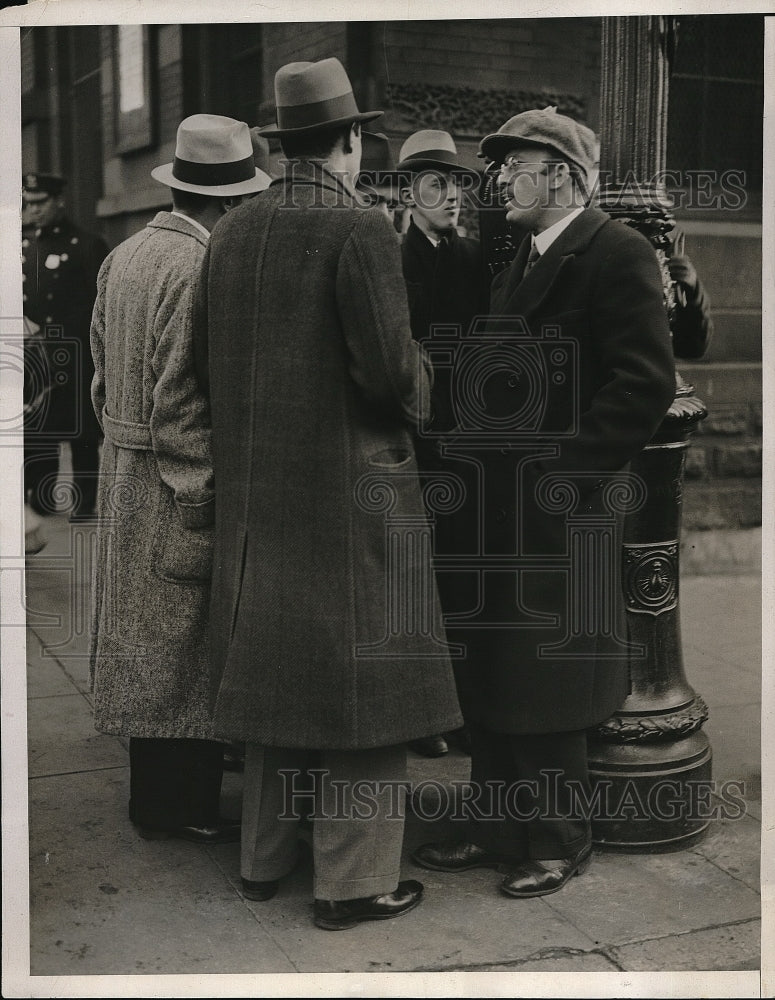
x=692 y=325
x=97 y=339
x=391 y=370
x=630 y=334
x=180 y=418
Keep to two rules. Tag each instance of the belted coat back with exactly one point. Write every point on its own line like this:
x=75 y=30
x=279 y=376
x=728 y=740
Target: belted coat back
x=326 y=628
x=149 y=650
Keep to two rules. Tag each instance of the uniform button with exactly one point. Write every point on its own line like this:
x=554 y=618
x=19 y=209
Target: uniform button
x=24 y=298
x=24 y=259
x=24 y=277
x=49 y=296
x=25 y=243
x=74 y=240
x=49 y=319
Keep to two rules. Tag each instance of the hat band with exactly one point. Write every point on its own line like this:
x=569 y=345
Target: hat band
x=434 y=154
x=213 y=174
x=317 y=113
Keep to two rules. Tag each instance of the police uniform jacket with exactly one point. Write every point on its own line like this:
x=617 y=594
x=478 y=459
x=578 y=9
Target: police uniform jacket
x=60 y=264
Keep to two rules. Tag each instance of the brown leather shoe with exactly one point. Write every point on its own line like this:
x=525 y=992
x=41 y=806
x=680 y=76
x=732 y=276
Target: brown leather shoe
x=458 y=857
x=531 y=878
x=339 y=914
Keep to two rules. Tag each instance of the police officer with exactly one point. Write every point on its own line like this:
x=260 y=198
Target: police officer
x=60 y=263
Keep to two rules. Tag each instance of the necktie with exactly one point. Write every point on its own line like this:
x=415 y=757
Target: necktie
x=531 y=260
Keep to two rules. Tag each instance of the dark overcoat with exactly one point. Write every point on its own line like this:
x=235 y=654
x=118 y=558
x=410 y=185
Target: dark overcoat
x=597 y=288
x=149 y=649
x=60 y=263
x=324 y=634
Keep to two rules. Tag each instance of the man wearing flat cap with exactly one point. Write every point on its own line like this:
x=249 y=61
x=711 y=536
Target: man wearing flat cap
x=594 y=286
x=315 y=385
x=149 y=650
x=60 y=262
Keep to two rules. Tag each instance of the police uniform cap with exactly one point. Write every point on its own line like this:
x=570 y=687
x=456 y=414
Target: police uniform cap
x=48 y=184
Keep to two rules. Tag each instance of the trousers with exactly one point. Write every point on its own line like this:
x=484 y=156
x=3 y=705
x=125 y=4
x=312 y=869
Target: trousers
x=358 y=798
x=528 y=805
x=174 y=782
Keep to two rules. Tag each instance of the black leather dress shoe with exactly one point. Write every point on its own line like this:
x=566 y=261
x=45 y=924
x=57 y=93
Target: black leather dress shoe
x=457 y=857
x=532 y=878
x=339 y=914
x=259 y=891
x=223 y=832
x=430 y=746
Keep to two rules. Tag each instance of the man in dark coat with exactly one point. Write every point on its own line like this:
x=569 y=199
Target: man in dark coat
x=149 y=648
x=326 y=630
x=60 y=262
x=586 y=287
x=446 y=287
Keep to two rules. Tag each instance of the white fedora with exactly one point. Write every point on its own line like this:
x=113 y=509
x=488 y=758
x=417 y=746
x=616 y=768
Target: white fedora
x=213 y=156
x=312 y=95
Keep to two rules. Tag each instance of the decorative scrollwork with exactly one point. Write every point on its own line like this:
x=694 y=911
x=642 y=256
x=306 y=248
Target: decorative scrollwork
x=651 y=577
x=557 y=494
x=444 y=493
x=624 y=493
x=128 y=495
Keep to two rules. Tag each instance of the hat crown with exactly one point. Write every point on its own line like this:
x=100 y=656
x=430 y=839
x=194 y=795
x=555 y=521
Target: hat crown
x=212 y=139
x=546 y=127
x=309 y=82
x=375 y=153
x=428 y=141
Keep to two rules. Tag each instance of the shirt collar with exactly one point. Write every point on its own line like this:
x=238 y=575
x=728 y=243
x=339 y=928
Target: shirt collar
x=545 y=239
x=194 y=223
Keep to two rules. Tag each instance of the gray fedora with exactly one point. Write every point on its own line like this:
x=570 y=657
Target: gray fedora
x=313 y=95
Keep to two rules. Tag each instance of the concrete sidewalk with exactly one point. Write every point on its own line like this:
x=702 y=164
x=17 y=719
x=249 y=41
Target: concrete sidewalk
x=105 y=902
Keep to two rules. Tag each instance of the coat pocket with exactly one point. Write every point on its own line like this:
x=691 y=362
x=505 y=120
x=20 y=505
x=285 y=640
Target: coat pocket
x=183 y=555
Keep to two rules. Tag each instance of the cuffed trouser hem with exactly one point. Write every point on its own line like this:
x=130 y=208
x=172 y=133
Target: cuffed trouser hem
x=540 y=851
x=357 y=888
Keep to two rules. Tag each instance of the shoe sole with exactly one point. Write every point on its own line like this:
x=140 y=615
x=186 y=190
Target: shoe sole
x=498 y=866
x=258 y=897
x=580 y=869
x=343 y=925
x=147 y=834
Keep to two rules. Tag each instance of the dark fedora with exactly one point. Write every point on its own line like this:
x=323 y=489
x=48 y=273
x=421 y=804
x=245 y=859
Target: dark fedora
x=431 y=149
x=313 y=95
x=377 y=166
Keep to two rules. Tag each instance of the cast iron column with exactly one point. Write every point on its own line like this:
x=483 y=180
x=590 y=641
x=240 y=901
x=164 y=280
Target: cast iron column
x=649 y=754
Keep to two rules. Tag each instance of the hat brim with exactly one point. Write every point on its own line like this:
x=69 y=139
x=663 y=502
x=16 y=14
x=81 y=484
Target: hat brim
x=362 y=116
x=407 y=168
x=260 y=182
x=497 y=145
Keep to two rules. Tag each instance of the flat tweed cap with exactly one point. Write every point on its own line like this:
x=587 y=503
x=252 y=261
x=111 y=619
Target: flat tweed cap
x=572 y=140
x=313 y=95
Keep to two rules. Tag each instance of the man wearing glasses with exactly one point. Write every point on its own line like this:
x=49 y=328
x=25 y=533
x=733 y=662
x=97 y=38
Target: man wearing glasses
x=594 y=284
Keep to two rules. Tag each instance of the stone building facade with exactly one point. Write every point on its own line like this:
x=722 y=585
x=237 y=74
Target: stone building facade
x=101 y=105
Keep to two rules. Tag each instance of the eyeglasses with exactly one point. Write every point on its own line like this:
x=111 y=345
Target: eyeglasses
x=513 y=164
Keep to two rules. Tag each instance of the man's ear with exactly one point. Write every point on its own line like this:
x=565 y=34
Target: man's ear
x=406 y=197
x=560 y=174
x=231 y=202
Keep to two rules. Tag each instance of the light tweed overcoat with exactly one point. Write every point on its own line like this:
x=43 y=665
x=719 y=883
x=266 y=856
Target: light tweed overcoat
x=149 y=649
x=314 y=382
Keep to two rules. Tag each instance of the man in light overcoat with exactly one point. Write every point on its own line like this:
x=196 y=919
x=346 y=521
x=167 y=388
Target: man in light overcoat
x=581 y=308
x=327 y=635
x=149 y=650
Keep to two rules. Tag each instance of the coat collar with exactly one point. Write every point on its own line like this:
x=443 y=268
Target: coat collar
x=166 y=220
x=313 y=173
x=526 y=295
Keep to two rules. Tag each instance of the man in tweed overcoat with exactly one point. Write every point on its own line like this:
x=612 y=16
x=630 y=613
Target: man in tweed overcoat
x=314 y=383
x=149 y=653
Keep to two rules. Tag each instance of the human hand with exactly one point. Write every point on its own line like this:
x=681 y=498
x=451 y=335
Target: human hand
x=682 y=271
